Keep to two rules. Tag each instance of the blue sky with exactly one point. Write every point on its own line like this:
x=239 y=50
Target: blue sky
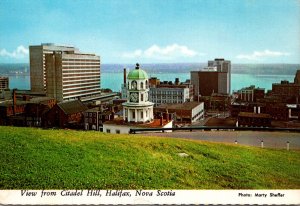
x=129 y=31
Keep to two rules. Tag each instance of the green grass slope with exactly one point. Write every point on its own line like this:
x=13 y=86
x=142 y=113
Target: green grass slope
x=59 y=159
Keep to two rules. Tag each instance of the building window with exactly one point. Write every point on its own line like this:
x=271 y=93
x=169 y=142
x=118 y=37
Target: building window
x=142 y=85
x=117 y=131
x=107 y=130
x=142 y=97
x=133 y=114
x=133 y=85
x=142 y=114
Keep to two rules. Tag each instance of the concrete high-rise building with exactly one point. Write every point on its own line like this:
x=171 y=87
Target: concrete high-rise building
x=215 y=78
x=62 y=72
x=37 y=55
x=223 y=66
x=208 y=82
x=4 y=83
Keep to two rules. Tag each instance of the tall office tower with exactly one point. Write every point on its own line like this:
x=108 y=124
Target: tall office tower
x=215 y=78
x=4 y=83
x=64 y=73
x=206 y=82
x=223 y=66
x=37 y=63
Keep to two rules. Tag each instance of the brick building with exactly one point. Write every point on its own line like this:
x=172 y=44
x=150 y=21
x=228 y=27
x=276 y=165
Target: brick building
x=216 y=102
x=249 y=119
x=251 y=94
x=95 y=117
x=216 y=78
x=67 y=114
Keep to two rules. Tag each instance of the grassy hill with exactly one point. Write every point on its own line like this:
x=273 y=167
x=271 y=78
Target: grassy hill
x=58 y=159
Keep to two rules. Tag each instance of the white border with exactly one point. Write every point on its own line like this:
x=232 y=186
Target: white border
x=288 y=197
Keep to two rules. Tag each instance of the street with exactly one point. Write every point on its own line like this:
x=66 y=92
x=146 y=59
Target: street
x=250 y=138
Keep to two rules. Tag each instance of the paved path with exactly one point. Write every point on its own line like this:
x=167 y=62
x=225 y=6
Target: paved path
x=251 y=138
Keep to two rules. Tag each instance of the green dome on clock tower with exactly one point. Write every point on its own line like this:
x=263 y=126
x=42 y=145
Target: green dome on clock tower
x=137 y=73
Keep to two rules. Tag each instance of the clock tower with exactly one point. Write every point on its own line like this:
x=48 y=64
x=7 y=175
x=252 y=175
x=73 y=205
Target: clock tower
x=137 y=109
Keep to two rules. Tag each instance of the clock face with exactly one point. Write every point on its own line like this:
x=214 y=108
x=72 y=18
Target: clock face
x=134 y=97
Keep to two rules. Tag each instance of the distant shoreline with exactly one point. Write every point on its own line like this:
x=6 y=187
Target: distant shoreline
x=179 y=68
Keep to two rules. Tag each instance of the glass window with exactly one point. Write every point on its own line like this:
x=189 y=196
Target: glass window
x=117 y=131
x=142 y=114
x=142 y=85
x=107 y=130
x=142 y=97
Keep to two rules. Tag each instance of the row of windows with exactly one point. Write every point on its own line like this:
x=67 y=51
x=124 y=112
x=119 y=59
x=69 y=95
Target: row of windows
x=134 y=85
x=74 y=97
x=81 y=77
x=82 y=88
x=81 y=63
x=79 y=71
x=82 y=84
x=81 y=92
x=166 y=97
x=82 y=73
x=197 y=115
x=168 y=101
x=165 y=92
x=117 y=131
x=84 y=79
x=81 y=60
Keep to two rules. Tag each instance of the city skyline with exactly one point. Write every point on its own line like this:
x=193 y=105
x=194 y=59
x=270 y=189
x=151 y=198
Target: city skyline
x=248 y=31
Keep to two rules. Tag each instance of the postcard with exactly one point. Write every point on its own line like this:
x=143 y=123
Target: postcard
x=150 y=102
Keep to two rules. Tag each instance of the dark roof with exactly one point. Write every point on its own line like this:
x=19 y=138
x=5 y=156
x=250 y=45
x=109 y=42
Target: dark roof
x=72 y=107
x=255 y=115
x=183 y=106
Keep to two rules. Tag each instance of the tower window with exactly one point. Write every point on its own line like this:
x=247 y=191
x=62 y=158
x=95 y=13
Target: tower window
x=133 y=85
x=133 y=114
x=142 y=97
x=142 y=85
x=142 y=114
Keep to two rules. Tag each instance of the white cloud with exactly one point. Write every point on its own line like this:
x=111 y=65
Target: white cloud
x=261 y=54
x=163 y=53
x=18 y=53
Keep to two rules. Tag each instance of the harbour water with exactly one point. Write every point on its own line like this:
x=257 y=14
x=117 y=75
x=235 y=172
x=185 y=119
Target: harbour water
x=114 y=80
x=242 y=75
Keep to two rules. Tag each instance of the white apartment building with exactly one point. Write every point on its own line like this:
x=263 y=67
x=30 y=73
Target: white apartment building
x=62 y=72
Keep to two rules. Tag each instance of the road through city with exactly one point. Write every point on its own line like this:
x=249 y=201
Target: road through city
x=251 y=138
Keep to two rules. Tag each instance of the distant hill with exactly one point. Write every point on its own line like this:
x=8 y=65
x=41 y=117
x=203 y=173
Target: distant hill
x=263 y=69
x=12 y=69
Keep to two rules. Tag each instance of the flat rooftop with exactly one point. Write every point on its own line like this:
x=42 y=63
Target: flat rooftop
x=154 y=124
x=183 y=106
